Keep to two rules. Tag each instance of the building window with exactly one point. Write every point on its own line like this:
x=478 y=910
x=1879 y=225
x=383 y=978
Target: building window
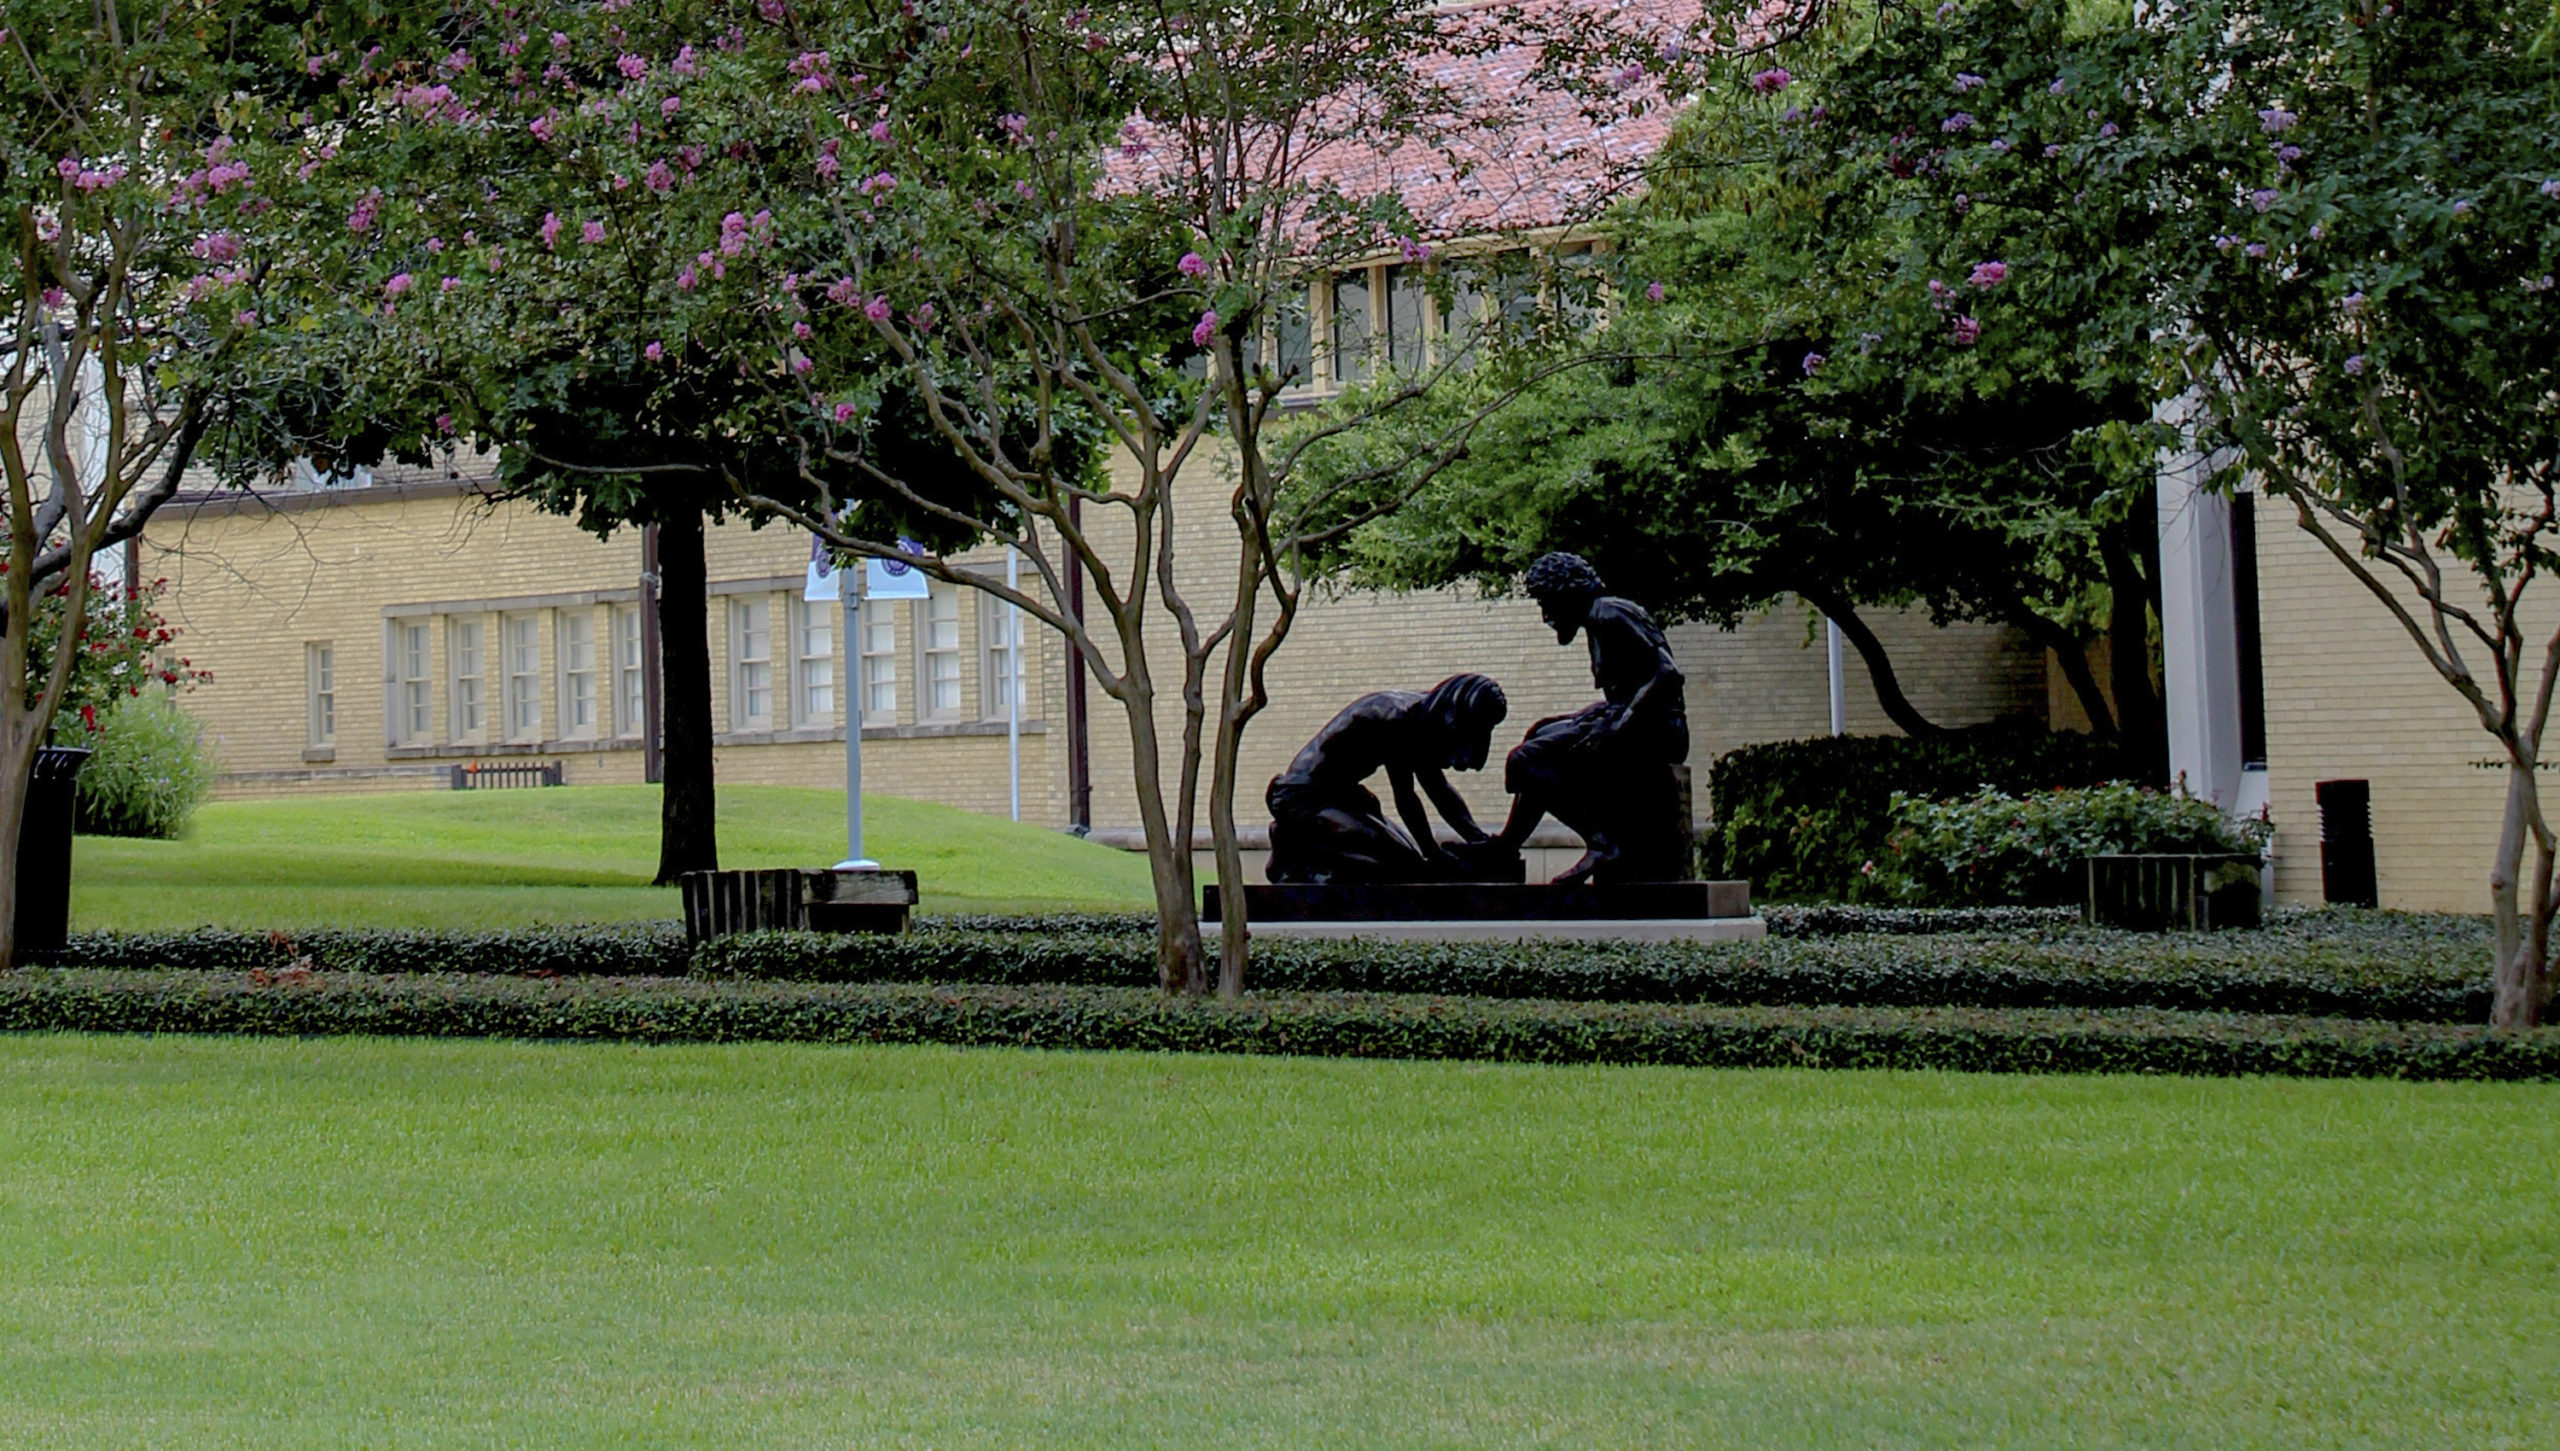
x=579 y=708
x=415 y=697
x=524 y=677
x=938 y=637
x=879 y=663
x=995 y=677
x=1294 y=343
x=1351 y=328
x=464 y=651
x=750 y=664
x=320 y=685
x=631 y=686
x=813 y=664
x=1407 y=302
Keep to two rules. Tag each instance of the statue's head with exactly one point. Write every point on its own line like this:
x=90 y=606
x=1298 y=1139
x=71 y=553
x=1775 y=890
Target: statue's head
x=1463 y=710
x=1564 y=585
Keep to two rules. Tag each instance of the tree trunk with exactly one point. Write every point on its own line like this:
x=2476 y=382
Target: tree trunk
x=1234 y=932
x=2521 y=908
x=2073 y=657
x=2141 y=720
x=1897 y=706
x=688 y=830
x=19 y=742
x=1179 y=965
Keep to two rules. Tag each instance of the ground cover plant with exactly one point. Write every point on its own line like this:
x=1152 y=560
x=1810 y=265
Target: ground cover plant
x=472 y=860
x=219 y=1242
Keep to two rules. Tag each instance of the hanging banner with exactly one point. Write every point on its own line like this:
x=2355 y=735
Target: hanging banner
x=825 y=580
x=895 y=579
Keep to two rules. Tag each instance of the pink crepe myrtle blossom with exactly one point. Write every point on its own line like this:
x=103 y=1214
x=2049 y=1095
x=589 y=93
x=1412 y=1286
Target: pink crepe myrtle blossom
x=1964 y=331
x=48 y=226
x=591 y=232
x=549 y=231
x=2255 y=249
x=879 y=184
x=687 y=279
x=1653 y=292
x=55 y=297
x=880 y=133
x=367 y=207
x=922 y=318
x=844 y=292
x=655 y=352
x=2352 y=303
x=2263 y=198
x=1813 y=363
x=2276 y=120
x=1204 y=330
x=1968 y=81
x=846 y=413
x=245 y=319
x=2462 y=208
x=2550 y=188
x=1939 y=294
x=2225 y=241
x=542 y=126
x=877 y=309
x=1191 y=265
x=800 y=331
x=660 y=177
x=2107 y=130
x=399 y=285
x=1414 y=251
x=1022 y=189
x=444 y=423
x=1772 y=80
x=668 y=107
x=685 y=64
x=2355 y=365
x=633 y=67
x=217 y=247
x=1960 y=121
x=450 y=283
x=771 y=10
x=1988 y=274
x=1017 y=128
x=2052 y=149
x=800 y=365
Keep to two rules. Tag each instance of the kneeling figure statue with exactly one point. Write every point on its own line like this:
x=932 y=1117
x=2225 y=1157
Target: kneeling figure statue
x=1327 y=827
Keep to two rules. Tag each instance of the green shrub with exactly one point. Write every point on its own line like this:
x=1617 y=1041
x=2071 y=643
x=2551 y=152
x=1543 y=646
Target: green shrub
x=1350 y=1025
x=1996 y=849
x=149 y=771
x=1803 y=820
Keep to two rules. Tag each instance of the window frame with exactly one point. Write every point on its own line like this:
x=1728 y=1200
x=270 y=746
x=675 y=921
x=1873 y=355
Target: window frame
x=520 y=686
x=742 y=717
x=880 y=616
x=996 y=618
x=464 y=731
x=567 y=677
x=413 y=681
x=630 y=675
x=320 y=694
x=806 y=616
x=927 y=707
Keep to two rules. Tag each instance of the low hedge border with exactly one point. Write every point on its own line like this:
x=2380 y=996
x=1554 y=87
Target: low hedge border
x=1310 y=1024
x=2397 y=971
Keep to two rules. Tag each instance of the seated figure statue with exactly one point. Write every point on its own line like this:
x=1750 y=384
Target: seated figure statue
x=1606 y=771
x=1327 y=827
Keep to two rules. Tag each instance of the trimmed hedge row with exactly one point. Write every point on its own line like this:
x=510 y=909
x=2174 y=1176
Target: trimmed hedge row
x=1332 y=1025
x=2417 y=970
x=2075 y=969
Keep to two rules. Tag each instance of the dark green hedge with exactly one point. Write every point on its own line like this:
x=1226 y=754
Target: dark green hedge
x=2360 y=965
x=1802 y=819
x=2075 y=968
x=1334 y=1025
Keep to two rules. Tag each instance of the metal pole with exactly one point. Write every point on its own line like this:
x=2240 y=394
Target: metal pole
x=1839 y=683
x=854 y=860
x=1013 y=669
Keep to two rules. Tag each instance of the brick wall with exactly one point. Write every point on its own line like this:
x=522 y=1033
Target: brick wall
x=2349 y=697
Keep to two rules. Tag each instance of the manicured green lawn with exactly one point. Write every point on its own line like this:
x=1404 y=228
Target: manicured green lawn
x=567 y=854
x=275 y=1244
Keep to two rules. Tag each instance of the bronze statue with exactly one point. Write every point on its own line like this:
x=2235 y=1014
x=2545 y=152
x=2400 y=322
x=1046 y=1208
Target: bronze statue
x=1327 y=827
x=1606 y=771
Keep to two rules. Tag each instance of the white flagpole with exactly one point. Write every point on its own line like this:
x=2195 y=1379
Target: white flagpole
x=854 y=860
x=1013 y=669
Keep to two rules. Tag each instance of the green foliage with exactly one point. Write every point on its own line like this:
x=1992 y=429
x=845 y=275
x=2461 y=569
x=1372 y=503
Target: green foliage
x=123 y=648
x=1812 y=818
x=2368 y=965
x=148 y=771
x=1349 y=1025
x=1995 y=848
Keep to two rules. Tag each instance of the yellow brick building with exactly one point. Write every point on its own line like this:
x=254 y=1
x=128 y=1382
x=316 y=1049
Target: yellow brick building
x=375 y=638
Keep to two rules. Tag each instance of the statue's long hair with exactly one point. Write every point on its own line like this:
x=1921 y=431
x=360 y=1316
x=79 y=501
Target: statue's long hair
x=1561 y=574
x=1467 y=704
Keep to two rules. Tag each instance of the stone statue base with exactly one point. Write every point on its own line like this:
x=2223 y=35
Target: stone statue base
x=1489 y=902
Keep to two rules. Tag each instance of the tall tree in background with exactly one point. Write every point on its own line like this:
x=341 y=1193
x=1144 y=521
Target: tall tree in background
x=158 y=167
x=2360 y=293
x=1832 y=376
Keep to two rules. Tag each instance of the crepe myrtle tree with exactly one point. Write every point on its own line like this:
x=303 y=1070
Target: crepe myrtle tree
x=959 y=275
x=2360 y=295
x=157 y=162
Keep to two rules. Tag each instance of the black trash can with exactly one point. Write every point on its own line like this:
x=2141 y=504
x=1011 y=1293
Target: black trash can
x=44 y=851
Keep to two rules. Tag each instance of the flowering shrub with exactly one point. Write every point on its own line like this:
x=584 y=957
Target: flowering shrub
x=148 y=772
x=1998 y=849
x=124 y=647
